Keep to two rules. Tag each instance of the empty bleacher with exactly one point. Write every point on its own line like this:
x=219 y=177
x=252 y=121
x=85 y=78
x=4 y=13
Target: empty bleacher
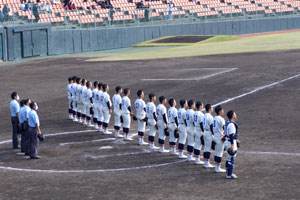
x=125 y=13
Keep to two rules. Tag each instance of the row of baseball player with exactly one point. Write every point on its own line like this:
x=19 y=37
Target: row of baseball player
x=88 y=103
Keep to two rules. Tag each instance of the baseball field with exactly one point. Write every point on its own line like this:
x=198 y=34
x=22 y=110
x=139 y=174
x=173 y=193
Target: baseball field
x=257 y=76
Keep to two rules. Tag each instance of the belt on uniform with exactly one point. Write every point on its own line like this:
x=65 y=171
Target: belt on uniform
x=206 y=129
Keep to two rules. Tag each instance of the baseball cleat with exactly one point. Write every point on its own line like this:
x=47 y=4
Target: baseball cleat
x=128 y=139
x=220 y=170
x=181 y=155
x=233 y=176
x=119 y=136
x=190 y=158
x=75 y=120
x=173 y=153
x=143 y=143
x=208 y=165
x=198 y=162
x=164 y=151
x=154 y=147
x=107 y=132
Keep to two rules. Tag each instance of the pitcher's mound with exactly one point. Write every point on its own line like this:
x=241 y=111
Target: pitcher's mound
x=183 y=39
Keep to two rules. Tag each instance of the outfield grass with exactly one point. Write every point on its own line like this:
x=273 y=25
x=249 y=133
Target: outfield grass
x=219 y=45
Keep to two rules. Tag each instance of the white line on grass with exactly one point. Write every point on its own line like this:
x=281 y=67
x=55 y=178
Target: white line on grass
x=192 y=79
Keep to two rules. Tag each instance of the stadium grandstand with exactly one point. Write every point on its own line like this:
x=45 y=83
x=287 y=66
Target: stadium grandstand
x=98 y=13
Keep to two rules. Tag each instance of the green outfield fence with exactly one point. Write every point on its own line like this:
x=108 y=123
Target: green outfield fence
x=60 y=18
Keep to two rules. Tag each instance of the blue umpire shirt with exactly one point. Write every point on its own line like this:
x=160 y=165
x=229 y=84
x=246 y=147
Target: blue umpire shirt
x=33 y=119
x=14 y=108
x=23 y=115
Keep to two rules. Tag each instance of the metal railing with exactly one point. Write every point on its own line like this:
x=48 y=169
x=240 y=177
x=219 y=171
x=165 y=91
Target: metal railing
x=16 y=14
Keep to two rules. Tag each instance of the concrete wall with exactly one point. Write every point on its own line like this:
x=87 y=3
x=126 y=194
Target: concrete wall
x=35 y=40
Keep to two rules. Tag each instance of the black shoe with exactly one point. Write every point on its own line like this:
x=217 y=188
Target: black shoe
x=16 y=148
x=26 y=154
x=35 y=157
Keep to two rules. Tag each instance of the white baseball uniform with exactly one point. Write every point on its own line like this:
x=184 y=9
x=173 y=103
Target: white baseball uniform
x=150 y=109
x=74 y=99
x=88 y=103
x=172 y=114
x=218 y=128
x=189 y=117
x=207 y=122
x=126 y=112
x=140 y=107
x=99 y=107
x=105 y=99
x=117 y=100
x=78 y=97
x=83 y=91
x=69 y=90
x=181 y=126
x=95 y=103
x=161 y=111
x=198 y=119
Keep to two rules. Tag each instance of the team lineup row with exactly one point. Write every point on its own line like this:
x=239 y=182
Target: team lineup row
x=92 y=107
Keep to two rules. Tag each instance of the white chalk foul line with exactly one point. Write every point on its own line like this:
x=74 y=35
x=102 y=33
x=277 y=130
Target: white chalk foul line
x=257 y=89
x=89 y=141
x=119 y=154
x=91 y=171
x=191 y=79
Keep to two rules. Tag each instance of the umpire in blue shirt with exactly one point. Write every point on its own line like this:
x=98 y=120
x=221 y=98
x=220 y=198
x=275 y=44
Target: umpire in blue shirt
x=14 y=110
x=23 y=119
x=33 y=131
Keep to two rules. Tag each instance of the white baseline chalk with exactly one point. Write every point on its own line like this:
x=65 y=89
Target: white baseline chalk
x=192 y=79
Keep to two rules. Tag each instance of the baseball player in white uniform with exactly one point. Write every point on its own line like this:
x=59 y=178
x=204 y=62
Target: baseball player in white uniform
x=117 y=102
x=95 y=104
x=140 y=107
x=162 y=123
x=218 y=128
x=189 y=116
x=69 y=90
x=182 y=128
x=83 y=102
x=99 y=107
x=172 y=126
x=78 y=99
x=208 y=134
x=198 y=132
x=88 y=103
x=126 y=114
x=106 y=109
x=74 y=100
x=152 y=119
x=231 y=132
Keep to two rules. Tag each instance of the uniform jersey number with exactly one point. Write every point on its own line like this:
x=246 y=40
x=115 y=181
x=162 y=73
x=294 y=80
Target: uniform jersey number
x=137 y=105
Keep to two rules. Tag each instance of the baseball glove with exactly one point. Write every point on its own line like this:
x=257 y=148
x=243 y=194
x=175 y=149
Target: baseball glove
x=134 y=118
x=92 y=111
x=238 y=143
x=223 y=138
x=41 y=138
x=166 y=132
x=202 y=139
x=231 y=152
x=176 y=134
x=145 y=119
x=213 y=145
